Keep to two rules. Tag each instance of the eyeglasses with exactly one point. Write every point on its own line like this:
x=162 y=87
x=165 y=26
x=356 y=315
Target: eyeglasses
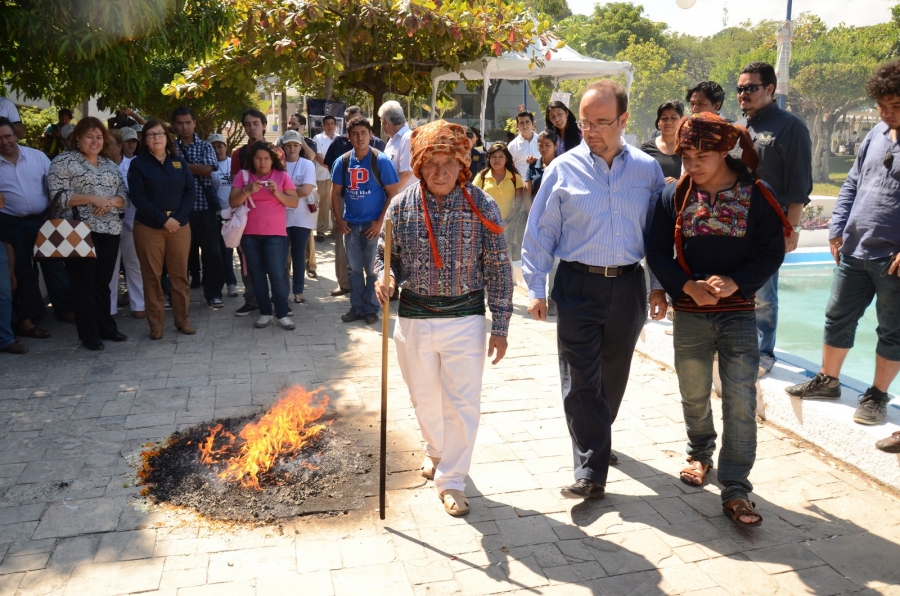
x=588 y=125
x=748 y=89
x=155 y=135
x=888 y=160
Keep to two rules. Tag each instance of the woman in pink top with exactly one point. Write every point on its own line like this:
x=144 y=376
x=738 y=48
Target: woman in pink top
x=265 y=241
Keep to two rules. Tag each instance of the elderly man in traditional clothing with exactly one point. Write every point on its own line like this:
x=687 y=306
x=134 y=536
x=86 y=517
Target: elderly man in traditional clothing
x=448 y=251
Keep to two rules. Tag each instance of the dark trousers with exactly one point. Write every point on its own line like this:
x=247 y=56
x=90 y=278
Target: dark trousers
x=600 y=319
x=27 y=300
x=21 y=232
x=89 y=279
x=206 y=233
x=299 y=240
x=227 y=262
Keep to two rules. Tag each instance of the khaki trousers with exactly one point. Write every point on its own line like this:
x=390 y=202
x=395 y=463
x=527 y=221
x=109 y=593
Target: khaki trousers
x=324 y=223
x=156 y=248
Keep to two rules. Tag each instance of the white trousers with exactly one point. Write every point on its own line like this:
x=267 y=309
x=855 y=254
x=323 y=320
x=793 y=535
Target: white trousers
x=442 y=361
x=133 y=281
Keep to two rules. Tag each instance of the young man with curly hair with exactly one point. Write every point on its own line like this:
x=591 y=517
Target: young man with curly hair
x=865 y=242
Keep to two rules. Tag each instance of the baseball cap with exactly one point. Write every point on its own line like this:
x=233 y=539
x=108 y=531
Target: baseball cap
x=291 y=136
x=216 y=138
x=128 y=134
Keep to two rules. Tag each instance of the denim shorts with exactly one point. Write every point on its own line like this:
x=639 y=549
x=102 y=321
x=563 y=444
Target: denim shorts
x=856 y=283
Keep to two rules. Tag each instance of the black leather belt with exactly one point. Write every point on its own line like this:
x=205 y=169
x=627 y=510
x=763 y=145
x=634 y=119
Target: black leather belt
x=616 y=271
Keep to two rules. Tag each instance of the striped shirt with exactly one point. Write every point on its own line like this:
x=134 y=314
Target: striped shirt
x=474 y=258
x=591 y=213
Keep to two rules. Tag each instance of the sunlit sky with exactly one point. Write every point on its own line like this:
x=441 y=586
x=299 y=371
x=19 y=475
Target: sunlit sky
x=705 y=18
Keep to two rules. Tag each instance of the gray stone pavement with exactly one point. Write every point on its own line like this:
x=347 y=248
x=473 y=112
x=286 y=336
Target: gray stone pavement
x=72 y=523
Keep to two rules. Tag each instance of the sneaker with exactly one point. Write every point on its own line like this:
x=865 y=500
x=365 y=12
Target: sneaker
x=245 y=310
x=285 y=323
x=820 y=387
x=583 y=489
x=216 y=303
x=264 y=321
x=351 y=316
x=232 y=291
x=168 y=303
x=290 y=312
x=371 y=318
x=872 y=407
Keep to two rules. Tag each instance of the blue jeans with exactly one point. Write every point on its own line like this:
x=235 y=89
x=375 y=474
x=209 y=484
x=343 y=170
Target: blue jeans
x=856 y=283
x=21 y=232
x=228 y=263
x=361 y=259
x=697 y=337
x=767 y=321
x=6 y=333
x=299 y=238
x=266 y=256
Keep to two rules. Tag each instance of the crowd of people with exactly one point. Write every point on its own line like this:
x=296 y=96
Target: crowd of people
x=709 y=205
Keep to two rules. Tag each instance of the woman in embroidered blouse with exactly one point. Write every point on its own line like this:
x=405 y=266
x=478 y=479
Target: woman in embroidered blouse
x=85 y=184
x=728 y=233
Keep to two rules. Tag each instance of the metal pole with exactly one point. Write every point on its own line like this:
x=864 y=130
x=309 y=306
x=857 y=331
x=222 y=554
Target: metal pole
x=385 y=329
x=782 y=99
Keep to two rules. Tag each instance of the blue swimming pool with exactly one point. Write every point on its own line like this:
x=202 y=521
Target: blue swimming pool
x=804 y=286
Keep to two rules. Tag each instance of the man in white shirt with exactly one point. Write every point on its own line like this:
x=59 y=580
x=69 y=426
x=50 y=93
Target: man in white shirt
x=23 y=183
x=393 y=122
x=221 y=180
x=323 y=174
x=524 y=148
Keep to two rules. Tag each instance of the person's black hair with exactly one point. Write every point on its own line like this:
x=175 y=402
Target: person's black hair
x=255 y=113
x=65 y=112
x=548 y=135
x=358 y=121
x=885 y=81
x=329 y=117
x=572 y=136
x=350 y=111
x=765 y=71
x=300 y=118
x=262 y=146
x=525 y=114
x=510 y=136
x=153 y=123
x=745 y=174
x=6 y=122
x=711 y=89
x=186 y=111
x=672 y=104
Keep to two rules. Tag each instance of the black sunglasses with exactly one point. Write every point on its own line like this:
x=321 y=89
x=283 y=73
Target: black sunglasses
x=888 y=160
x=751 y=88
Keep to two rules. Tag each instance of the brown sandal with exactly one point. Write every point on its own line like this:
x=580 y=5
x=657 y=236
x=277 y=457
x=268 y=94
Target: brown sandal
x=695 y=469
x=34 y=333
x=735 y=508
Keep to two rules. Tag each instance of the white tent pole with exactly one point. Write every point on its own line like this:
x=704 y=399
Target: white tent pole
x=484 y=96
x=434 y=89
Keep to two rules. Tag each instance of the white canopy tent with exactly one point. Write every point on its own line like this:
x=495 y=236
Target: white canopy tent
x=564 y=64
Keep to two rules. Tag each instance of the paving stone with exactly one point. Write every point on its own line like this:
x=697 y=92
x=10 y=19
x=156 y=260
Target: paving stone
x=17 y=563
x=9 y=584
x=521 y=531
x=22 y=513
x=239 y=565
x=862 y=557
x=79 y=517
x=241 y=588
x=318 y=582
x=124 y=546
x=389 y=579
x=70 y=552
x=366 y=551
x=42 y=582
x=115 y=578
x=785 y=557
x=317 y=555
x=822 y=581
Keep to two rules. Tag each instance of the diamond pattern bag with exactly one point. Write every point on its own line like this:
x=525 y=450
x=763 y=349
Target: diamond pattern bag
x=64 y=238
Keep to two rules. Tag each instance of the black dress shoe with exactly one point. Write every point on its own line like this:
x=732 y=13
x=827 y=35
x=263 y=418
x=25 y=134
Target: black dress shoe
x=95 y=345
x=613 y=458
x=583 y=489
x=117 y=337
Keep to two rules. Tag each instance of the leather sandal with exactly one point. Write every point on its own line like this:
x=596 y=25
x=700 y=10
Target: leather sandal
x=455 y=502
x=735 y=508
x=34 y=333
x=695 y=469
x=429 y=465
x=188 y=330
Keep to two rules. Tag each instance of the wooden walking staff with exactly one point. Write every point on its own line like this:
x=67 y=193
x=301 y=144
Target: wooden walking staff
x=385 y=325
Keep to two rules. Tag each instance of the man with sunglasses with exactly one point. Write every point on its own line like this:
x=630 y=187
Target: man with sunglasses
x=865 y=242
x=593 y=212
x=785 y=163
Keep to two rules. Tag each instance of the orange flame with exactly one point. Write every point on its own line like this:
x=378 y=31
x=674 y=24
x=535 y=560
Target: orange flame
x=282 y=431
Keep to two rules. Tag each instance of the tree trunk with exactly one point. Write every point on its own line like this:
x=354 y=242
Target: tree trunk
x=377 y=100
x=283 y=109
x=329 y=86
x=821 y=147
x=489 y=111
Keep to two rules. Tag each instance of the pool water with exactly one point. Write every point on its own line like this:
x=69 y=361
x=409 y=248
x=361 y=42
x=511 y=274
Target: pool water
x=802 y=296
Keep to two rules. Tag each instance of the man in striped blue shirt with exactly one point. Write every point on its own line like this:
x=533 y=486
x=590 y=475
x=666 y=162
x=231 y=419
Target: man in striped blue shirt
x=593 y=211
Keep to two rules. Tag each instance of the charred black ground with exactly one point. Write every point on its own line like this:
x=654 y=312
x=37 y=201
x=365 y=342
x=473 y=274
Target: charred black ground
x=346 y=471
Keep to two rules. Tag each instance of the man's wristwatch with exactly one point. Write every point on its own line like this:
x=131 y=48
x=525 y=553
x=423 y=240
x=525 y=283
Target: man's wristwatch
x=798 y=229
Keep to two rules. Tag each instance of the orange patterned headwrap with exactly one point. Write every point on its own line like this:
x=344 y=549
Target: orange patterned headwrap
x=437 y=137
x=710 y=132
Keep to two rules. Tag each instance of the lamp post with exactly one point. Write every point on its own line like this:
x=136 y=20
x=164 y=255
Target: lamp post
x=782 y=99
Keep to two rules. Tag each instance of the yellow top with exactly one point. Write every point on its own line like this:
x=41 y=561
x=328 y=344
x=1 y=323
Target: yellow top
x=504 y=194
